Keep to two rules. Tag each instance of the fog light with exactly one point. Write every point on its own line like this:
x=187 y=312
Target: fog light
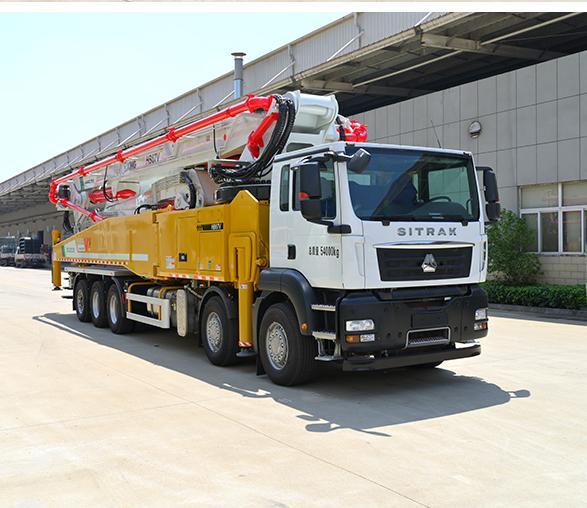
x=360 y=325
x=480 y=314
x=368 y=337
x=480 y=326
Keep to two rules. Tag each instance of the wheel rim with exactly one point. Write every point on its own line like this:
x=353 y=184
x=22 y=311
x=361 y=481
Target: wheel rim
x=276 y=346
x=113 y=308
x=79 y=301
x=95 y=304
x=214 y=332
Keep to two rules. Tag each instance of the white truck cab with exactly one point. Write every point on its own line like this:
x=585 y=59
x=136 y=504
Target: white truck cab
x=388 y=246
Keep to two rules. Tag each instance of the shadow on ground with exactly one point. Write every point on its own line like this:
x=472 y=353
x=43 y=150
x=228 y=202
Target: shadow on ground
x=336 y=400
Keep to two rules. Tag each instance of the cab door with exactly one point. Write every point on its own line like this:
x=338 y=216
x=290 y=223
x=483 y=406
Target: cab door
x=302 y=245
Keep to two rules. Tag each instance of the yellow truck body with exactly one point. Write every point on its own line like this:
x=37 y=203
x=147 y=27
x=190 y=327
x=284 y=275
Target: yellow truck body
x=226 y=243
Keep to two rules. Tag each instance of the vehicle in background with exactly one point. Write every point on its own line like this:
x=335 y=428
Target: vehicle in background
x=7 y=250
x=29 y=253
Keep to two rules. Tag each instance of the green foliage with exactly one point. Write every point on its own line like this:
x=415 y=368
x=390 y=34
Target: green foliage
x=537 y=295
x=510 y=238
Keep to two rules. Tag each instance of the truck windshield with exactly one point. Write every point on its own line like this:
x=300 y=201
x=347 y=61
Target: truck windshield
x=414 y=185
x=8 y=244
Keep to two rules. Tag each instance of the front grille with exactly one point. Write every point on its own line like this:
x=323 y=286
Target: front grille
x=434 y=337
x=406 y=264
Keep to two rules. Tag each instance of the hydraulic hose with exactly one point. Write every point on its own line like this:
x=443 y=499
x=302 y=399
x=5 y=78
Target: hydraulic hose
x=67 y=227
x=192 y=189
x=262 y=165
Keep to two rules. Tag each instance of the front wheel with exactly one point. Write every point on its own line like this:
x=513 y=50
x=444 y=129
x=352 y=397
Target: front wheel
x=288 y=357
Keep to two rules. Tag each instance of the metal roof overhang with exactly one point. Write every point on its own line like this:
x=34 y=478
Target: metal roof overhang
x=443 y=55
x=445 y=51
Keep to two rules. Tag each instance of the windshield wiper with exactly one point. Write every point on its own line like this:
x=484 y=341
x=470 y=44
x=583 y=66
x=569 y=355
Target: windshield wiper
x=455 y=218
x=414 y=218
x=389 y=218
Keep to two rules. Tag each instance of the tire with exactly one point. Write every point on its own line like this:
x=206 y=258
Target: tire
x=97 y=304
x=116 y=313
x=81 y=300
x=219 y=333
x=426 y=365
x=288 y=357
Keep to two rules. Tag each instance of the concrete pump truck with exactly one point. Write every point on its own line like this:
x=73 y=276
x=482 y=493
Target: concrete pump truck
x=273 y=229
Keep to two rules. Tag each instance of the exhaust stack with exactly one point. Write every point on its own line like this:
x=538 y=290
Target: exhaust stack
x=238 y=74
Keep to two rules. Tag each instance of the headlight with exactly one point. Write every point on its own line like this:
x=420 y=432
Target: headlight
x=360 y=325
x=479 y=314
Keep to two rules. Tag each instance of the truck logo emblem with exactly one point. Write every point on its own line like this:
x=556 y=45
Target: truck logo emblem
x=429 y=265
x=422 y=231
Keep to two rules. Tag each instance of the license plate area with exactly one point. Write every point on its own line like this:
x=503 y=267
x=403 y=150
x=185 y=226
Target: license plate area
x=428 y=337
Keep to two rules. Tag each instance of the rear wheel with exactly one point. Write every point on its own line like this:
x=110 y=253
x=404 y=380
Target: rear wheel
x=81 y=298
x=218 y=332
x=98 y=304
x=116 y=313
x=288 y=357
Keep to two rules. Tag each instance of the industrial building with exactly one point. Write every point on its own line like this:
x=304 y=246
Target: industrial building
x=509 y=87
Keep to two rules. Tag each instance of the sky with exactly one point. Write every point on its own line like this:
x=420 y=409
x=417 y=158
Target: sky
x=66 y=77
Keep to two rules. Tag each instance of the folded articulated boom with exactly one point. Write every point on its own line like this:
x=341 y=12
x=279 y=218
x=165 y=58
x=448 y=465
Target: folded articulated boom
x=246 y=135
x=251 y=104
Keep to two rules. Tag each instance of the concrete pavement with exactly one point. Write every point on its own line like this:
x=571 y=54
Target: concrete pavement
x=88 y=418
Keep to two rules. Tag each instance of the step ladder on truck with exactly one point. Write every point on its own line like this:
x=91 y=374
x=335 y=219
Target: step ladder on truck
x=273 y=229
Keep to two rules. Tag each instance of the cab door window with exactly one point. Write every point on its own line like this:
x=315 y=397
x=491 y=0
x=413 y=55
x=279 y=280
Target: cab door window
x=284 y=189
x=328 y=187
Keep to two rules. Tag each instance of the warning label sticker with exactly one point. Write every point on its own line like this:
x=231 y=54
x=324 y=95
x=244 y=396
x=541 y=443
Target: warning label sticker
x=170 y=262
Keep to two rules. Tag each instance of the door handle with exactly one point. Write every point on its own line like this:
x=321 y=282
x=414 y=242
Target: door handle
x=291 y=251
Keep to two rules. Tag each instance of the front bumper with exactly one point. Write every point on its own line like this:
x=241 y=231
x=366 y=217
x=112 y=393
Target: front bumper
x=397 y=313
x=356 y=363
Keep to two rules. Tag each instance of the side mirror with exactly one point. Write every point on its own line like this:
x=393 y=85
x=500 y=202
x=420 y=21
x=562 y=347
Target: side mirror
x=492 y=208
x=492 y=211
x=311 y=209
x=311 y=197
x=310 y=184
x=359 y=161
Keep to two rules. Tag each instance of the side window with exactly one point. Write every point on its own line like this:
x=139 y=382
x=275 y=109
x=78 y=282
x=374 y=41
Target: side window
x=328 y=191
x=284 y=189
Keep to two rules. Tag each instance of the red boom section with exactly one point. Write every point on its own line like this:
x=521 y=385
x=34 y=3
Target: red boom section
x=249 y=105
